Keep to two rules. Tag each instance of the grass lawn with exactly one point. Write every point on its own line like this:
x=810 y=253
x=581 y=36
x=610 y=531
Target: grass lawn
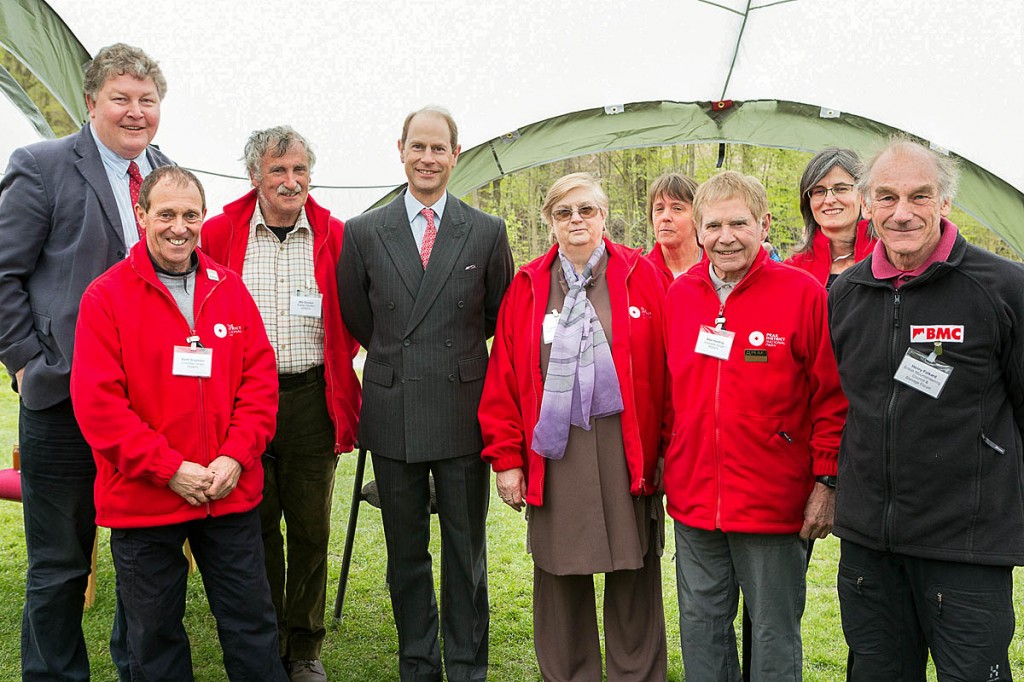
x=362 y=645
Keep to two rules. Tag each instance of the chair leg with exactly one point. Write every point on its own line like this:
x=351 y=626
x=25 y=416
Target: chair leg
x=191 y=559
x=90 y=586
x=350 y=535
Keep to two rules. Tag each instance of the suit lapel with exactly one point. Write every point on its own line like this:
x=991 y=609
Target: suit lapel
x=451 y=237
x=397 y=238
x=156 y=158
x=90 y=165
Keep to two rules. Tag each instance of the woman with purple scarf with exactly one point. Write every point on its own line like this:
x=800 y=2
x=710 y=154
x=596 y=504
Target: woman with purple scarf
x=573 y=420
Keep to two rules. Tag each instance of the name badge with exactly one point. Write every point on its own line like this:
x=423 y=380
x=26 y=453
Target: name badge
x=714 y=342
x=307 y=305
x=923 y=373
x=755 y=355
x=549 y=326
x=192 y=362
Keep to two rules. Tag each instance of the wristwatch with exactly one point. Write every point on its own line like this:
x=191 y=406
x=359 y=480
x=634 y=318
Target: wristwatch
x=830 y=481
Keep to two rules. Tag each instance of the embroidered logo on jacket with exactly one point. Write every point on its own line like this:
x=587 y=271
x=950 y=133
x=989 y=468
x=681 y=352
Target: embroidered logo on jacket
x=636 y=313
x=223 y=330
x=766 y=339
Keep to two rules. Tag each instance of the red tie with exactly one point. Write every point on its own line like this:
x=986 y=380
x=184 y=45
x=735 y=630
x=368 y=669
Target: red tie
x=134 y=184
x=428 y=237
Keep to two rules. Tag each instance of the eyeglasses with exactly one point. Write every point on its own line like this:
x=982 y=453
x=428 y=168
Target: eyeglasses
x=819 y=193
x=563 y=214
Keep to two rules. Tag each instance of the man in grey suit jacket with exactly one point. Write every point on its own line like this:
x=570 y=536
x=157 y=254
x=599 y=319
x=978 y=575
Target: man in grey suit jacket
x=66 y=215
x=420 y=282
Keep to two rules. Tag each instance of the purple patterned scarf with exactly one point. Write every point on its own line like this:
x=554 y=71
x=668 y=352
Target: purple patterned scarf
x=581 y=381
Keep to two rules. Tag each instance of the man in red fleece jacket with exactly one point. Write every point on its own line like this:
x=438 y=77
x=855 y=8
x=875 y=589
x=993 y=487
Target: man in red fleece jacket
x=174 y=386
x=750 y=470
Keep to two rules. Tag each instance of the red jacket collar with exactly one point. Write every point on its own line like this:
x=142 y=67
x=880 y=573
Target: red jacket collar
x=619 y=257
x=658 y=256
x=701 y=268
x=240 y=212
x=862 y=245
x=141 y=263
x=818 y=259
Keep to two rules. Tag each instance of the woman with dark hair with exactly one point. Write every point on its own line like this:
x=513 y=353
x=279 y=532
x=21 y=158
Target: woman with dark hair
x=670 y=212
x=835 y=237
x=572 y=417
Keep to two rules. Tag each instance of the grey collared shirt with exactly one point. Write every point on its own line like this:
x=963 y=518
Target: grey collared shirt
x=722 y=288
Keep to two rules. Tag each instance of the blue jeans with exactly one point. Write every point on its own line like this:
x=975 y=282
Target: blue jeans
x=152 y=574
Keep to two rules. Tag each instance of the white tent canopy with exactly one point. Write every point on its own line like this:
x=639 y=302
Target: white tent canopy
x=345 y=74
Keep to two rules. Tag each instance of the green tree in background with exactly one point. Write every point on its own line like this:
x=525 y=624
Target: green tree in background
x=625 y=175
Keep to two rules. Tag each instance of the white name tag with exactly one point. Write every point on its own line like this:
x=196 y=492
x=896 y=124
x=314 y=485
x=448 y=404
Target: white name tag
x=549 y=326
x=922 y=373
x=192 y=362
x=714 y=342
x=307 y=305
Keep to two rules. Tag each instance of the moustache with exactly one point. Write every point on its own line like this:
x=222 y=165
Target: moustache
x=285 y=192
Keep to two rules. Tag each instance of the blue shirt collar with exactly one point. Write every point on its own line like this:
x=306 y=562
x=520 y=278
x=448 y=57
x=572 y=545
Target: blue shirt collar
x=413 y=207
x=117 y=162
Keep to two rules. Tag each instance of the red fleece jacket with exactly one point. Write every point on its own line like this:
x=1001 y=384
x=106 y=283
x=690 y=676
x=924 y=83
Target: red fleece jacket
x=141 y=420
x=753 y=431
x=510 y=405
x=225 y=238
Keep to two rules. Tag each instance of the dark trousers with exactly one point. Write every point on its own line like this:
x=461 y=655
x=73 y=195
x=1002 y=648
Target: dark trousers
x=565 y=631
x=57 y=477
x=152 y=573
x=462 y=487
x=896 y=608
x=298 y=484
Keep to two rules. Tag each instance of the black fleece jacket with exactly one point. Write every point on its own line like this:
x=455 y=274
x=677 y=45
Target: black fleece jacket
x=939 y=478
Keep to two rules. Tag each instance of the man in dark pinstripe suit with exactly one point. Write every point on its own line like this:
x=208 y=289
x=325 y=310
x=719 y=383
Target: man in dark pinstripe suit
x=420 y=282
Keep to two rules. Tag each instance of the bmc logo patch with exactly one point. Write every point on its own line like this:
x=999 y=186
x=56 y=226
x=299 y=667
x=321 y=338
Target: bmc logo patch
x=924 y=333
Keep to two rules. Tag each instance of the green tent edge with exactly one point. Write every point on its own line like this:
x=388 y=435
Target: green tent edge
x=40 y=39
x=764 y=123
x=37 y=36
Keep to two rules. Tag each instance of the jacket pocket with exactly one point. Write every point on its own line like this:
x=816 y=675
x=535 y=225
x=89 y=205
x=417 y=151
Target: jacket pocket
x=473 y=369
x=863 y=603
x=472 y=273
x=976 y=618
x=378 y=373
x=44 y=332
x=992 y=444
